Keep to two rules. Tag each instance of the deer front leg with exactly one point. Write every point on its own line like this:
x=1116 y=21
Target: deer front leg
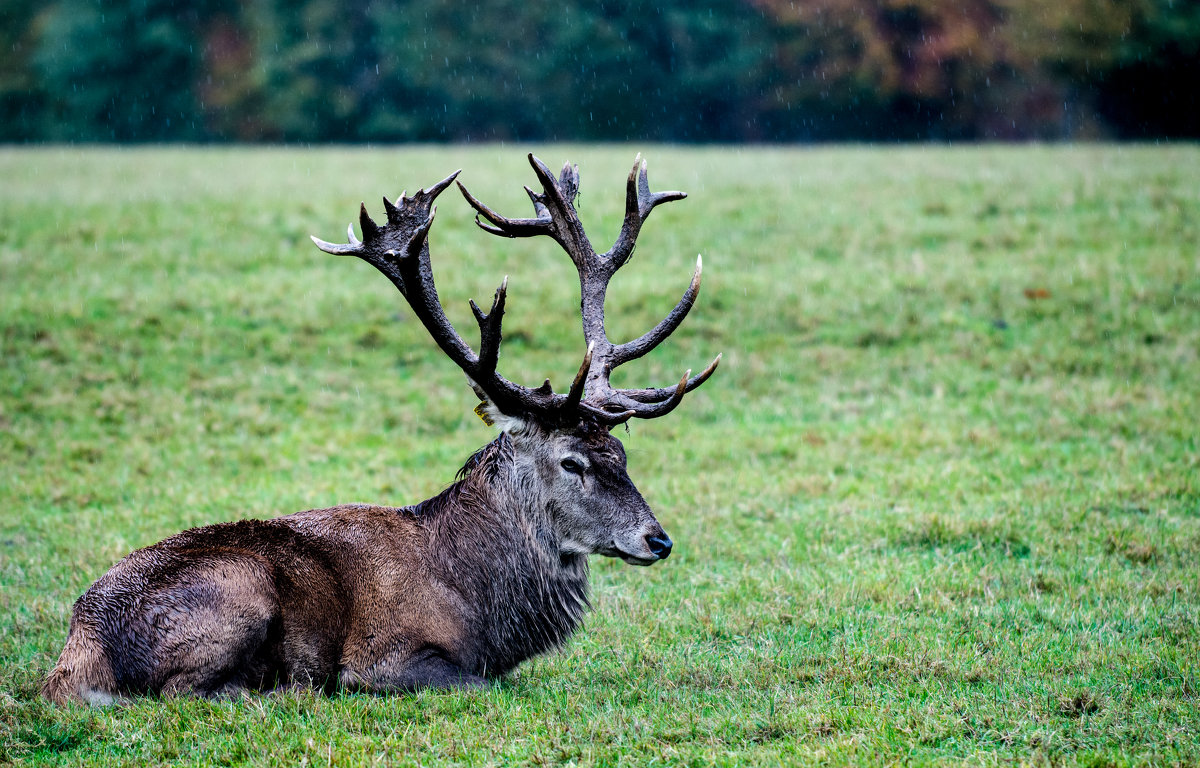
x=404 y=672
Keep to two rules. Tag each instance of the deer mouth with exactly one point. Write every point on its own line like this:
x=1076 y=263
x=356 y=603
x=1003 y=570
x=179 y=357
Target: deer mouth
x=629 y=557
x=635 y=560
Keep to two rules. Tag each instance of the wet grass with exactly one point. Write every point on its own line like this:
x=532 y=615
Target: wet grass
x=940 y=504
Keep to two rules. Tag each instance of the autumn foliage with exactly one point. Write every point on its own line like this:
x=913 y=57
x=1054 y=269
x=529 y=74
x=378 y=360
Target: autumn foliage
x=727 y=70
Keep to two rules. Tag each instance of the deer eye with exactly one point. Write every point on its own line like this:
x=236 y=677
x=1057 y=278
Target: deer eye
x=572 y=466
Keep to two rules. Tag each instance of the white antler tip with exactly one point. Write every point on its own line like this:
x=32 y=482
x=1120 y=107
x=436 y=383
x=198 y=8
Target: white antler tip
x=334 y=248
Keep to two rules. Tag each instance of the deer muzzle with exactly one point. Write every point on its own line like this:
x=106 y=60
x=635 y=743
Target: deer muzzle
x=659 y=545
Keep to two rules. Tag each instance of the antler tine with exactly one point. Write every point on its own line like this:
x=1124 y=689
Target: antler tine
x=607 y=418
x=575 y=394
x=555 y=211
x=350 y=249
x=658 y=394
x=561 y=191
x=632 y=350
x=489 y=328
x=437 y=189
x=639 y=202
x=504 y=226
x=368 y=226
x=559 y=199
x=666 y=406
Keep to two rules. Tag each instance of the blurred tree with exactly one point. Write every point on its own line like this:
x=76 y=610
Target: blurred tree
x=1137 y=61
x=22 y=99
x=232 y=88
x=904 y=68
x=121 y=71
x=465 y=71
x=315 y=68
x=683 y=70
x=582 y=70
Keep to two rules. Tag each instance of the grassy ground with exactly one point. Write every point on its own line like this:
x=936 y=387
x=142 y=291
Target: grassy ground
x=940 y=503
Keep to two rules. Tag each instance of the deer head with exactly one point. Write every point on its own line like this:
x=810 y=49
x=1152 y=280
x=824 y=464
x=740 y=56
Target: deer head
x=563 y=438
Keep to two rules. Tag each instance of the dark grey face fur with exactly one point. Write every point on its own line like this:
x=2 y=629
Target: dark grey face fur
x=594 y=507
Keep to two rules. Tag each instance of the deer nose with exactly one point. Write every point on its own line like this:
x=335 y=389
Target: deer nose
x=659 y=545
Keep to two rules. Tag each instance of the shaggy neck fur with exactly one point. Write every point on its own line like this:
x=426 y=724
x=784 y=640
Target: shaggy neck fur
x=500 y=551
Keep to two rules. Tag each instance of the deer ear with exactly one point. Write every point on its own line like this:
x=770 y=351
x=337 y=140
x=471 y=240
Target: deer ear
x=491 y=415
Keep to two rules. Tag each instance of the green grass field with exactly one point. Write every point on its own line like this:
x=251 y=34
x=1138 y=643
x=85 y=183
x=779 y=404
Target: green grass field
x=940 y=504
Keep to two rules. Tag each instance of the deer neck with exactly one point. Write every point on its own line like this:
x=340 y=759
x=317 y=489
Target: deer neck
x=528 y=597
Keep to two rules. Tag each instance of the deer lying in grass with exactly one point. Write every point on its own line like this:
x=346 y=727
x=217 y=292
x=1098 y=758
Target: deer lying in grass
x=449 y=592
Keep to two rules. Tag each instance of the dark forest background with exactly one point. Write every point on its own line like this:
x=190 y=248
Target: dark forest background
x=670 y=70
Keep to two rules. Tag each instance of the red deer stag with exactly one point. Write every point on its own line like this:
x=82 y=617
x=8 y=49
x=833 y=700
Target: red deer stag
x=449 y=592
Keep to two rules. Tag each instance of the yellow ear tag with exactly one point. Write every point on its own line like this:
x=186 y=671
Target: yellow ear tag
x=481 y=412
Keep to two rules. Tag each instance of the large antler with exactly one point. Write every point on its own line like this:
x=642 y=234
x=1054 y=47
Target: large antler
x=555 y=216
x=400 y=250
